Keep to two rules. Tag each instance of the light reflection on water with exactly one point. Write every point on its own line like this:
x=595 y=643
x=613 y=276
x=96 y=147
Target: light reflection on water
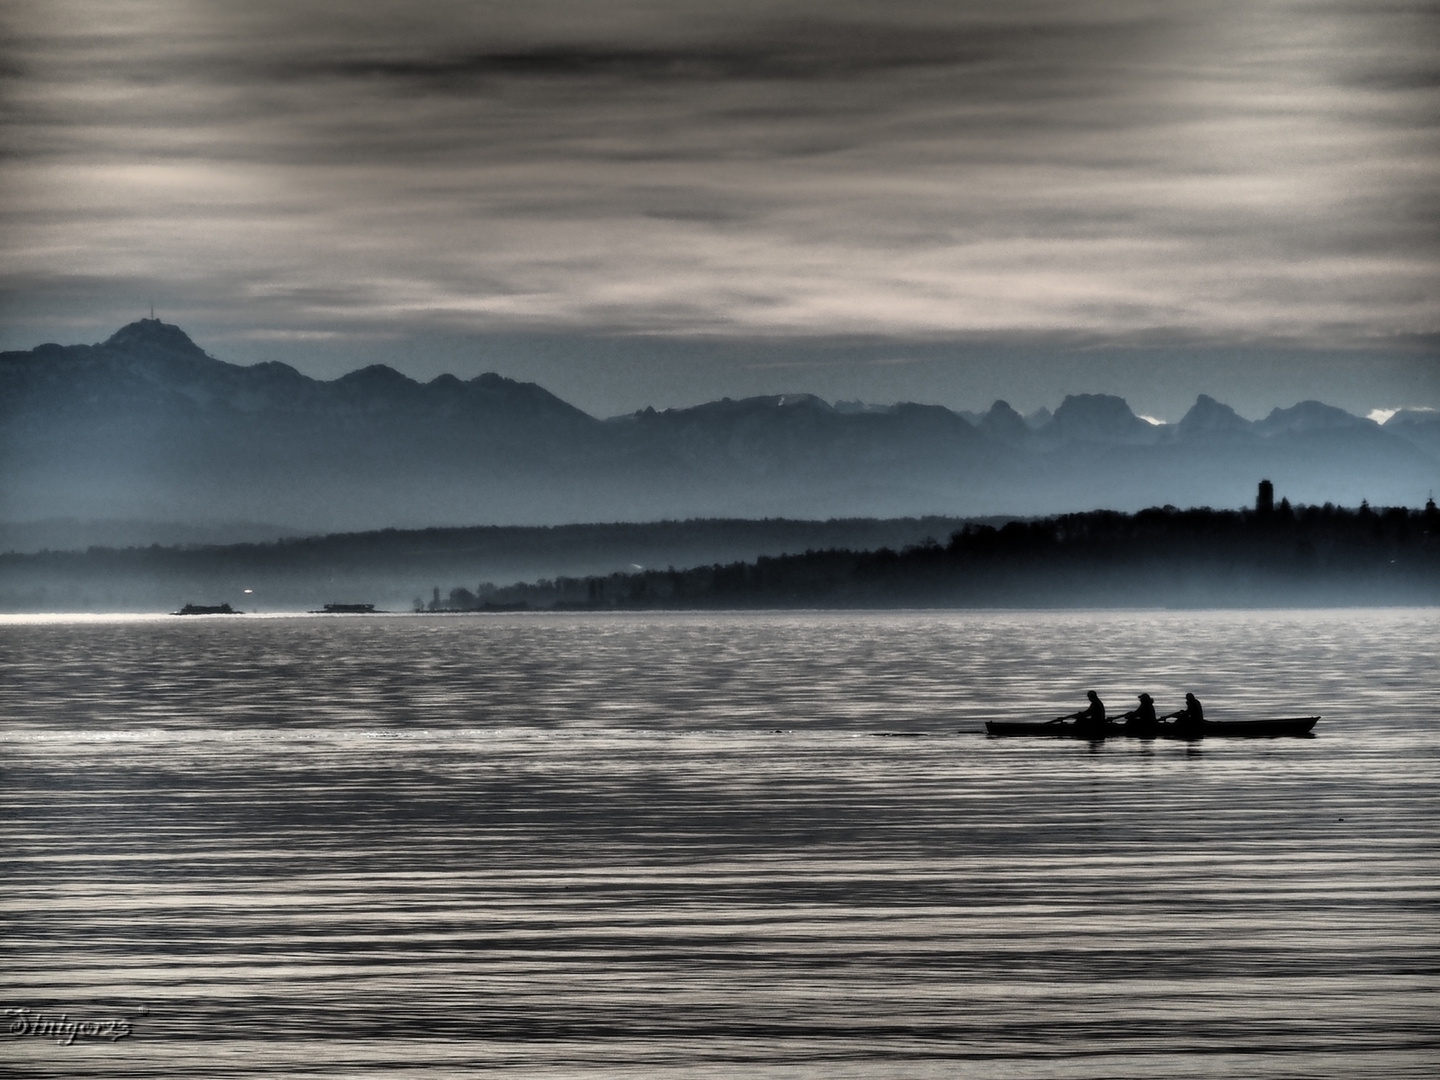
x=607 y=844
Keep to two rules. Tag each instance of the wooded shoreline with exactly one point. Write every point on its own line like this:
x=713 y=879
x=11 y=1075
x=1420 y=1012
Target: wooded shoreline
x=1305 y=556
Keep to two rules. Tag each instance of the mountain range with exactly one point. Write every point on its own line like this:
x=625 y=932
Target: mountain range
x=146 y=426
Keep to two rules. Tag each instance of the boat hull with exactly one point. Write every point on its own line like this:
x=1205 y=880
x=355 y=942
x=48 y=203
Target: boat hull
x=1050 y=730
x=1233 y=729
x=1244 y=729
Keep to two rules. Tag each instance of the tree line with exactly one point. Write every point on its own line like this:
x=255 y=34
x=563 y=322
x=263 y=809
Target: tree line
x=1304 y=556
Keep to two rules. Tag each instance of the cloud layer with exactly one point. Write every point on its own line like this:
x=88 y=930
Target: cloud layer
x=1085 y=170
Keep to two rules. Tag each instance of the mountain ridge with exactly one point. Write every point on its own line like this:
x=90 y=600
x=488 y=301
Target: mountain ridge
x=148 y=425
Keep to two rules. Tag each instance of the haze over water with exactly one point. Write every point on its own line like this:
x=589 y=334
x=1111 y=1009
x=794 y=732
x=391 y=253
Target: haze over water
x=681 y=845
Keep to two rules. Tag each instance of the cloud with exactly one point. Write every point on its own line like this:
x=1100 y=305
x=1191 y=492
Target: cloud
x=1094 y=170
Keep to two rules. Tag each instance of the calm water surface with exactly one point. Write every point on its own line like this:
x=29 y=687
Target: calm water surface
x=717 y=845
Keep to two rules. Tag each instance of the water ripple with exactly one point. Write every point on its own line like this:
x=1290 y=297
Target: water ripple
x=604 y=845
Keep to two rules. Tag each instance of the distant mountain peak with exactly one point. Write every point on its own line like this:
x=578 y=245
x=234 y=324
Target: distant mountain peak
x=808 y=401
x=852 y=407
x=1308 y=416
x=1039 y=418
x=766 y=402
x=1098 y=417
x=1095 y=404
x=375 y=376
x=1210 y=417
x=1004 y=422
x=1005 y=409
x=1411 y=417
x=150 y=334
x=767 y=405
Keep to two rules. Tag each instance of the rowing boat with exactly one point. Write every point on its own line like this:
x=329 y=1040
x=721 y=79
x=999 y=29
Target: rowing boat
x=1245 y=729
x=1242 y=729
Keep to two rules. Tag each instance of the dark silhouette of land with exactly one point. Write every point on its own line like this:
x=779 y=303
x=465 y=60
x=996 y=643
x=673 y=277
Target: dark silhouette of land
x=1162 y=557
x=143 y=438
x=1282 y=556
x=391 y=567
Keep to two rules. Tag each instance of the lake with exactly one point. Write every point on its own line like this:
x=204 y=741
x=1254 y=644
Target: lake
x=716 y=845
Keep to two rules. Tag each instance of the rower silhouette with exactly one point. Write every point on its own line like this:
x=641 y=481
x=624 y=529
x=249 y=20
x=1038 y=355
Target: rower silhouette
x=1190 y=718
x=1141 y=720
x=1090 y=720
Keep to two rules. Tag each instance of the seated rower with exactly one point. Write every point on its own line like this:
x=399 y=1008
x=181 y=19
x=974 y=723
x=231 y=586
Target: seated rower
x=1191 y=717
x=1141 y=718
x=1091 y=719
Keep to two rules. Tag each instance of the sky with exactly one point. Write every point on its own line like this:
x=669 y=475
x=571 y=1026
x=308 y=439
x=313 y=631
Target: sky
x=659 y=204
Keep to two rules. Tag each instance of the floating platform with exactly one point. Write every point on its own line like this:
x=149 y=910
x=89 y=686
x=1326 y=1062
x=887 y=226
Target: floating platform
x=207 y=609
